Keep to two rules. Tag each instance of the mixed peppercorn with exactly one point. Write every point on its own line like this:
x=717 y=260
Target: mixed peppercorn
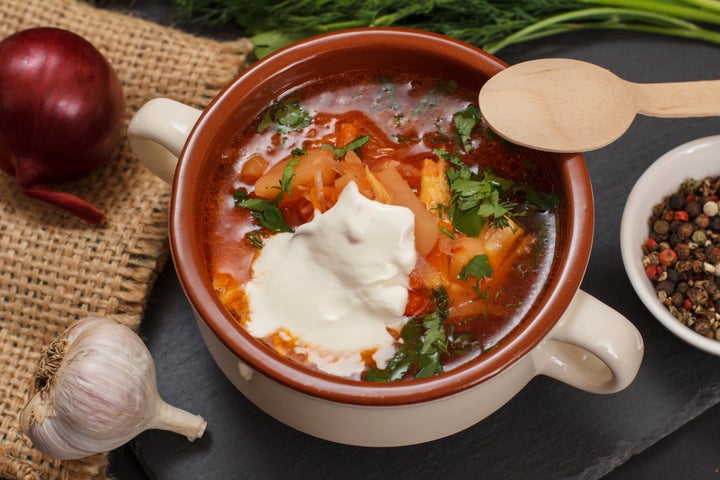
x=682 y=254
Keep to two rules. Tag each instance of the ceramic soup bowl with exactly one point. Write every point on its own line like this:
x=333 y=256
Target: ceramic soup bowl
x=567 y=334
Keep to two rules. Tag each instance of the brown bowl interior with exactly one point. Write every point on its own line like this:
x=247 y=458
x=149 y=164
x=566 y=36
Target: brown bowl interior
x=381 y=48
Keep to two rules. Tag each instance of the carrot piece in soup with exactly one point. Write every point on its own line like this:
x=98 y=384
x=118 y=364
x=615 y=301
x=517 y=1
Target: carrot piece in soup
x=465 y=304
x=496 y=243
x=426 y=222
x=434 y=186
x=419 y=303
x=501 y=246
x=317 y=162
x=253 y=168
x=345 y=133
x=437 y=271
x=323 y=198
x=352 y=169
x=230 y=293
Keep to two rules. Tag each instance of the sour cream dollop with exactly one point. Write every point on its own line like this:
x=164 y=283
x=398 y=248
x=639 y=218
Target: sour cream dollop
x=337 y=283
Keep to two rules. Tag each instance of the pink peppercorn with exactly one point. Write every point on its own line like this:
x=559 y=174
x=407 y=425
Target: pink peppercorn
x=653 y=272
x=668 y=257
x=681 y=215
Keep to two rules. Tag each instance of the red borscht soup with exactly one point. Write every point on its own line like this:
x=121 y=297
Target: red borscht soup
x=484 y=220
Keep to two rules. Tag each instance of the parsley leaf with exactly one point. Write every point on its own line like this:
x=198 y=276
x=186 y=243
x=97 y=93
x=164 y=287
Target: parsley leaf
x=465 y=122
x=467 y=222
x=255 y=239
x=542 y=201
x=287 y=176
x=435 y=95
x=404 y=357
x=285 y=115
x=476 y=198
x=266 y=212
x=423 y=342
x=386 y=96
x=478 y=266
x=340 y=152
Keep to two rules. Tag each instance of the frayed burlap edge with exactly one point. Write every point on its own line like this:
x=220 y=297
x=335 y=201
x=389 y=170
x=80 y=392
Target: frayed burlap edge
x=53 y=267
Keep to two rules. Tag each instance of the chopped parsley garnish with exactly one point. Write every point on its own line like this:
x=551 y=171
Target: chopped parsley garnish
x=423 y=341
x=478 y=267
x=285 y=115
x=255 y=239
x=266 y=212
x=434 y=343
x=287 y=176
x=465 y=122
x=476 y=198
x=447 y=232
x=355 y=145
x=542 y=201
x=386 y=96
x=435 y=95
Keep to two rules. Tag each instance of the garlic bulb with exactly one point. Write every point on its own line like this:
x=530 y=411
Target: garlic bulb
x=96 y=390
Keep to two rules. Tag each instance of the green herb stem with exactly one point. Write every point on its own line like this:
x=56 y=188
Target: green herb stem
x=712 y=5
x=613 y=18
x=677 y=9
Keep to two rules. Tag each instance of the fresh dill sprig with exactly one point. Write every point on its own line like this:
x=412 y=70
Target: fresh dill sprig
x=489 y=24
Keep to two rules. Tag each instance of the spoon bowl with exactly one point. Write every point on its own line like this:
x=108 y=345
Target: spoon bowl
x=563 y=105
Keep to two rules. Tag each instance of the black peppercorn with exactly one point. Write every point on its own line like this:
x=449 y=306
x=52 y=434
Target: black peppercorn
x=712 y=254
x=673 y=275
x=702 y=220
x=666 y=286
x=683 y=251
x=678 y=298
x=685 y=230
x=677 y=201
x=693 y=209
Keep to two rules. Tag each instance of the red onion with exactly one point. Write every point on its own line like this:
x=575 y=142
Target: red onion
x=61 y=113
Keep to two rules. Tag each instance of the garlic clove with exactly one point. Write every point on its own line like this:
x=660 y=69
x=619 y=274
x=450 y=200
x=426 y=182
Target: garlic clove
x=96 y=390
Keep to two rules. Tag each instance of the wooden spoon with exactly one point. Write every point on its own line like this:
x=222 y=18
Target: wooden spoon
x=562 y=105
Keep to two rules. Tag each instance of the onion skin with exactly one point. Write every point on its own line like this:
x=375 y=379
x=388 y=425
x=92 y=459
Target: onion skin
x=61 y=113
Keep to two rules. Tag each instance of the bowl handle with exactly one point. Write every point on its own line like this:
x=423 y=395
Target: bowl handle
x=592 y=347
x=157 y=134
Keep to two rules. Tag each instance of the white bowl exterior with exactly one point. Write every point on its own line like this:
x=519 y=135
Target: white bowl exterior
x=697 y=159
x=592 y=347
x=363 y=425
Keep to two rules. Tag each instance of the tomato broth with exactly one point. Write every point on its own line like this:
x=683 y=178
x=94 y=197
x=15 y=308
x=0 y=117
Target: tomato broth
x=486 y=211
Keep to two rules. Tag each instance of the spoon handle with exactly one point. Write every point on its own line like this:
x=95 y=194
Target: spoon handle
x=678 y=99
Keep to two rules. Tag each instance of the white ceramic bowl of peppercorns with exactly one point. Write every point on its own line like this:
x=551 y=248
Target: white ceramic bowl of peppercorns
x=670 y=241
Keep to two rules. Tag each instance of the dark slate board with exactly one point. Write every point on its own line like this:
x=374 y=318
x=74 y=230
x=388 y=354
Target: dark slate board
x=549 y=430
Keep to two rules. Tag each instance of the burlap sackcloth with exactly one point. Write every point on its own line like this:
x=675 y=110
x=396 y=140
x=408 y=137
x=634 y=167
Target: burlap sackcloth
x=53 y=267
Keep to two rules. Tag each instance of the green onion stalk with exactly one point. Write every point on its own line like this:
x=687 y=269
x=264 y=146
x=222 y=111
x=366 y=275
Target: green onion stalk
x=489 y=24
